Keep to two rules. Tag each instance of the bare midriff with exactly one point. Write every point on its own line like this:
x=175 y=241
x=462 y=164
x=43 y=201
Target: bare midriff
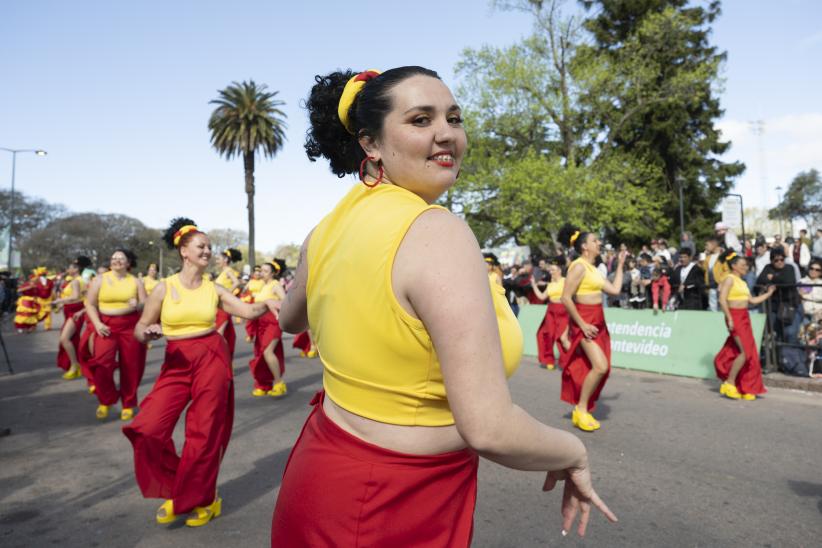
x=738 y=304
x=414 y=440
x=190 y=335
x=588 y=299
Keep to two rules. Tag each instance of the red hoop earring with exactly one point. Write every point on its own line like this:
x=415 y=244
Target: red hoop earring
x=362 y=173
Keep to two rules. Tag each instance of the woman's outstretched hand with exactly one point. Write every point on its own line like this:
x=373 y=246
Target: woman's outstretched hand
x=577 y=497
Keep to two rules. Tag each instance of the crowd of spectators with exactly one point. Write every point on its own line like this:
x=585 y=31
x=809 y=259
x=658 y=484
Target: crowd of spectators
x=664 y=277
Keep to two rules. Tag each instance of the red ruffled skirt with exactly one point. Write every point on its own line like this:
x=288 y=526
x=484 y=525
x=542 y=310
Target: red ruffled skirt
x=578 y=365
x=550 y=330
x=749 y=379
x=339 y=490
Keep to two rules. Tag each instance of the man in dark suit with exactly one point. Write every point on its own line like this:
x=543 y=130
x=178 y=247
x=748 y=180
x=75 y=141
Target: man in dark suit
x=688 y=281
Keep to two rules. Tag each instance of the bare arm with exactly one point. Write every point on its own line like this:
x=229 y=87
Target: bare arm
x=75 y=290
x=541 y=295
x=294 y=310
x=572 y=281
x=141 y=293
x=724 y=291
x=91 y=306
x=454 y=302
x=763 y=297
x=615 y=288
x=147 y=327
x=236 y=307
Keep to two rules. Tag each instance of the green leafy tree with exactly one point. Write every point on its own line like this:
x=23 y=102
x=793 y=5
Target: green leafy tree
x=247 y=120
x=655 y=96
x=30 y=214
x=802 y=200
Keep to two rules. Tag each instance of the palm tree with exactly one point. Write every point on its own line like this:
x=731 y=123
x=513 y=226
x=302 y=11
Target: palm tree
x=247 y=119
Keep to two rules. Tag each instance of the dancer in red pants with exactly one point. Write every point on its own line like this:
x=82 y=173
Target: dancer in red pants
x=554 y=327
x=71 y=301
x=196 y=370
x=737 y=363
x=589 y=356
x=113 y=307
x=229 y=279
x=268 y=363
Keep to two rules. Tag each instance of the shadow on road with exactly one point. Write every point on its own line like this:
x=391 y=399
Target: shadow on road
x=807 y=489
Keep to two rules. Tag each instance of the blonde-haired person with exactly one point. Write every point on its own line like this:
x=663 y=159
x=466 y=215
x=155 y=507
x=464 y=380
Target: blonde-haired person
x=415 y=338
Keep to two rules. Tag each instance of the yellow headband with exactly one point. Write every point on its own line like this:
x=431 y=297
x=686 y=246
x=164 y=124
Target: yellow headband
x=489 y=260
x=574 y=237
x=227 y=253
x=352 y=88
x=275 y=265
x=182 y=232
x=730 y=256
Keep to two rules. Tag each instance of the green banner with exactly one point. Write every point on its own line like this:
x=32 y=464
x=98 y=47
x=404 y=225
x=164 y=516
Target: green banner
x=676 y=343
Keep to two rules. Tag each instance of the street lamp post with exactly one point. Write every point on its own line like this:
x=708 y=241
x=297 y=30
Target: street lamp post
x=681 y=209
x=14 y=152
x=160 y=265
x=779 y=203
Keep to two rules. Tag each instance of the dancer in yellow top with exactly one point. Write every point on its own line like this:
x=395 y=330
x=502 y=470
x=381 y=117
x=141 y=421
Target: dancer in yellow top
x=151 y=279
x=72 y=301
x=230 y=280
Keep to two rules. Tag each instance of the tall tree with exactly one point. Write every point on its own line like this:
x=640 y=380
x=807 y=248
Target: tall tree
x=802 y=200
x=30 y=215
x=656 y=96
x=247 y=120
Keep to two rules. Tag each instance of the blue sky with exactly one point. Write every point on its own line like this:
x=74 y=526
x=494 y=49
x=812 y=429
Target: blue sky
x=118 y=92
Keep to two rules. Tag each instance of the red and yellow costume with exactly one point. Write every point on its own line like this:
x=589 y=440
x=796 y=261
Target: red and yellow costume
x=267 y=330
x=578 y=365
x=249 y=295
x=304 y=344
x=119 y=349
x=749 y=378
x=223 y=317
x=552 y=327
x=69 y=309
x=27 y=310
x=379 y=363
x=196 y=370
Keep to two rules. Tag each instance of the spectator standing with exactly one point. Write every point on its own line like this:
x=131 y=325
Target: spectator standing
x=726 y=237
x=711 y=255
x=777 y=243
x=811 y=292
x=784 y=315
x=763 y=257
x=817 y=244
x=660 y=282
x=799 y=253
x=687 y=242
x=688 y=280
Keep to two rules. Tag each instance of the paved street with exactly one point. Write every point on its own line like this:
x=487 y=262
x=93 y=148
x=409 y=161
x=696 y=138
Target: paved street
x=678 y=464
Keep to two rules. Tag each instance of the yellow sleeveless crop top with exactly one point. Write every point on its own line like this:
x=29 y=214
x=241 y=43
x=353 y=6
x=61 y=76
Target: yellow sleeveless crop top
x=194 y=311
x=224 y=279
x=739 y=290
x=266 y=293
x=379 y=361
x=68 y=291
x=592 y=282
x=254 y=286
x=115 y=292
x=150 y=284
x=555 y=289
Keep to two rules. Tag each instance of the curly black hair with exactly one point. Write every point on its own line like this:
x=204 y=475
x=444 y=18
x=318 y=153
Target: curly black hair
x=82 y=262
x=233 y=255
x=131 y=257
x=327 y=137
x=567 y=232
x=176 y=224
x=491 y=259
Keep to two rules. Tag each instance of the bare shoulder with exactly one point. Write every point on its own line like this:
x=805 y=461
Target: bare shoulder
x=438 y=231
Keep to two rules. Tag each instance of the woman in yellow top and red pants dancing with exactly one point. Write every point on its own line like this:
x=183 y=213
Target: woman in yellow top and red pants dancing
x=113 y=307
x=196 y=370
x=268 y=363
x=71 y=300
x=230 y=280
x=415 y=339
x=553 y=331
x=737 y=363
x=589 y=355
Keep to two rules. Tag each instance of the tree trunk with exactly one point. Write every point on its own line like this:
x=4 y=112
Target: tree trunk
x=248 y=160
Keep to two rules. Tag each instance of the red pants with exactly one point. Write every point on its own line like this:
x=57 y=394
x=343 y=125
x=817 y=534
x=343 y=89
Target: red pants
x=339 y=490
x=63 y=360
x=578 y=365
x=229 y=334
x=119 y=350
x=661 y=283
x=268 y=329
x=198 y=371
x=749 y=379
x=302 y=341
x=84 y=349
x=550 y=330
x=251 y=328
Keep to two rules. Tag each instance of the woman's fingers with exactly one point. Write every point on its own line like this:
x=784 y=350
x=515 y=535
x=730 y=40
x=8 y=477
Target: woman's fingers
x=584 y=516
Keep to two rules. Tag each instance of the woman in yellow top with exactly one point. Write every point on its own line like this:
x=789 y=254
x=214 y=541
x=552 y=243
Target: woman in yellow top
x=737 y=363
x=196 y=370
x=230 y=280
x=150 y=280
x=494 y=268
x=71 y=301
x=268 y=363
x=113 y=305
x=252 y=288
x=415 y=356
x=554 y=327
x=589 y=354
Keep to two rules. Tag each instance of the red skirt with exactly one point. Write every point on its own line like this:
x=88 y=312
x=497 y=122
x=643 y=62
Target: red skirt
x=578 y=365
x=229 y=334
x=63 y=360
x=302 y=341
x=84 y=352
x=550 y=330
x=267 y=330
x=27 y=312
x=339 y=490
x=749 y=379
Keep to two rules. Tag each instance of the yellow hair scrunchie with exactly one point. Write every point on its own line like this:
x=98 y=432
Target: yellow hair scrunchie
x=574 y=237
x=352 y=88
x=182 y=232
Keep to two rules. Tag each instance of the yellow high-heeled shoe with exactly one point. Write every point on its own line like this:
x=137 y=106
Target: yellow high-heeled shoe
x=102 y=412
x=127 y=414
x=749 y=397
x=72 y=373
x=165 y=513
x=278 y=390
x=303 y=354
x=729 y=391
x=258 y=392
x=311 y=354
x=584 y=421
x=203 y=514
